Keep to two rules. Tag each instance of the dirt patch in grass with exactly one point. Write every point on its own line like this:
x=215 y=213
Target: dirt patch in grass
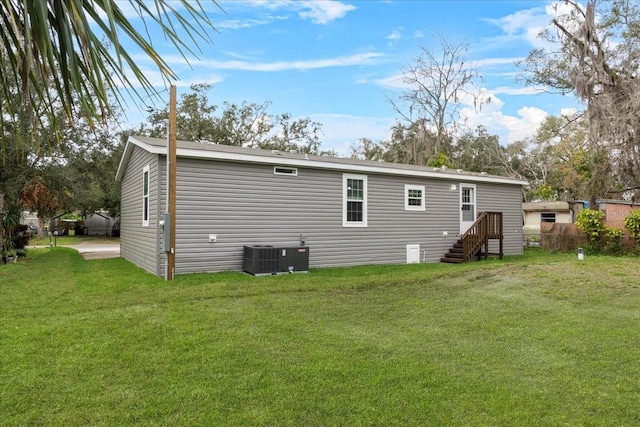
x=101 y=255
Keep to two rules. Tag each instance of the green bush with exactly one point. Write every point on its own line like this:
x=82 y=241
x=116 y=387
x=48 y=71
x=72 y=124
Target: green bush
x=632 y=222
x=21 y=236
x=590 y=221
x=613 y=241
x=9 y=220
x=601 y=239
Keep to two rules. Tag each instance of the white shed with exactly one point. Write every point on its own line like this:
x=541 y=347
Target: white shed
x=533 y=213
x=98 y=223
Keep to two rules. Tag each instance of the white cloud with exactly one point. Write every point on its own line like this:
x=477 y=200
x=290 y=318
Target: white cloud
x=527 y=24
x=528 y=122
x=202 y=78
x=568 y=112
x=237 y=24
x=520 y=21
x=393 y=81
x=341 y=131
x=395 y=35
x=319 y=12
x=156 y=80
x=529 y=90
x=509 y=128
x=338 y=61
x=523 y=25
x=323 y=12
x=488 y=62
x=481 y=101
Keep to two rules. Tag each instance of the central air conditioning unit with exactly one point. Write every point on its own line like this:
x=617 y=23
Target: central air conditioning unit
x=268 y=259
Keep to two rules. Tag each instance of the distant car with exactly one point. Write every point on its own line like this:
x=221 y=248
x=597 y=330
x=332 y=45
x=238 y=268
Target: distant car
x=32 y=229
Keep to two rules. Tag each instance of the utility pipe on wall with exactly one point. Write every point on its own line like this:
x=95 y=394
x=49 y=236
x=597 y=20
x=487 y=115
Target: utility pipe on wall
x=171 y=191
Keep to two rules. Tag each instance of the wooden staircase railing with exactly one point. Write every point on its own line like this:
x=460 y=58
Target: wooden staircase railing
x=488 y=226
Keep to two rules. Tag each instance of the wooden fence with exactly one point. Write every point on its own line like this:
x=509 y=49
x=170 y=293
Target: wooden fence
x=567 y=237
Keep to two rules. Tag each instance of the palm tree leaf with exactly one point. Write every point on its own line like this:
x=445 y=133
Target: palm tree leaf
x=54 y=52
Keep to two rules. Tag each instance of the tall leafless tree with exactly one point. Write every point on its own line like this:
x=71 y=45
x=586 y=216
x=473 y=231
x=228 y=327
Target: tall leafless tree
x=437 y=82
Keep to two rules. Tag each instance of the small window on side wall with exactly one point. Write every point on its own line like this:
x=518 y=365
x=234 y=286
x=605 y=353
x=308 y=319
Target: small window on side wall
x=547 y=217
x=414 y=198
x=145 y=196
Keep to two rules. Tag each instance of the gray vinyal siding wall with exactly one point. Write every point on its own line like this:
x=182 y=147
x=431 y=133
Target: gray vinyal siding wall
x=139 y=244
x=248 y=204
x=508 y=200
x=243 y=202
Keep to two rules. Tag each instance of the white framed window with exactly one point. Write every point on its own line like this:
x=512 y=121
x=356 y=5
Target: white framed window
x=282 y=170
x=354 y=200
x=414 y=197
x=145 y=196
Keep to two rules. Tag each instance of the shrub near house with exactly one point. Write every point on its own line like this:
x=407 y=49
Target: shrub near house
x=600 y=237
x=15 y=244
x=632 y=223
x=593 y=231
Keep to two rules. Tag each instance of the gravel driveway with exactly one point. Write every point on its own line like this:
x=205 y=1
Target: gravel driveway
x=91 y=251
x=94 y=249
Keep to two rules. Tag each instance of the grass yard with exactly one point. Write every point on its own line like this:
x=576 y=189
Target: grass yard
x=537 y=340
x=73 y=240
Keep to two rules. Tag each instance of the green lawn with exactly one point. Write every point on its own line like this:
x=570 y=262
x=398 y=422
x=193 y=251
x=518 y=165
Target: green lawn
x=72 y=240
x=538 y=340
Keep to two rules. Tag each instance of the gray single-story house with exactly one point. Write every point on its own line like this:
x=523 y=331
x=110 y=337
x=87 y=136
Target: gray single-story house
x=345 y=211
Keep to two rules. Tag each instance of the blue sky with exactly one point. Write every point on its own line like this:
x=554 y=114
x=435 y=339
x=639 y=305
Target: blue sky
x=337 y=61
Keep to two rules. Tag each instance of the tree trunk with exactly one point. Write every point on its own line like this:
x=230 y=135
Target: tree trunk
x=2 y=248
x=41 y=224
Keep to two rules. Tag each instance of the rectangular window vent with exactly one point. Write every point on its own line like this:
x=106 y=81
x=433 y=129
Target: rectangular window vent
x=548 y=217
x=279 y=170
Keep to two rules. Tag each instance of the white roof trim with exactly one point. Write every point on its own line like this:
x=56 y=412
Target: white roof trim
x=124 y=160
x=309 y=163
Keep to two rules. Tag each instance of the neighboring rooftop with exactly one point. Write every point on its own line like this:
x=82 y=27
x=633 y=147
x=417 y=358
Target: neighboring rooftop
x=545 y=206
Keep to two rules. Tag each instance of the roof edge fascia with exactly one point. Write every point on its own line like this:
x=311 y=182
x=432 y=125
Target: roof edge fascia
x=251 y=158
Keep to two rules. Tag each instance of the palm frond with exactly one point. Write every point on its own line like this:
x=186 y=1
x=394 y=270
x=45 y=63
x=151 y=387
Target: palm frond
x=59 y=46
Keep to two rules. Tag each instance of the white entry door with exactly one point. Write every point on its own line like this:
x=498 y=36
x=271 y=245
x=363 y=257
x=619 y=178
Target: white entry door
x=467 y=206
